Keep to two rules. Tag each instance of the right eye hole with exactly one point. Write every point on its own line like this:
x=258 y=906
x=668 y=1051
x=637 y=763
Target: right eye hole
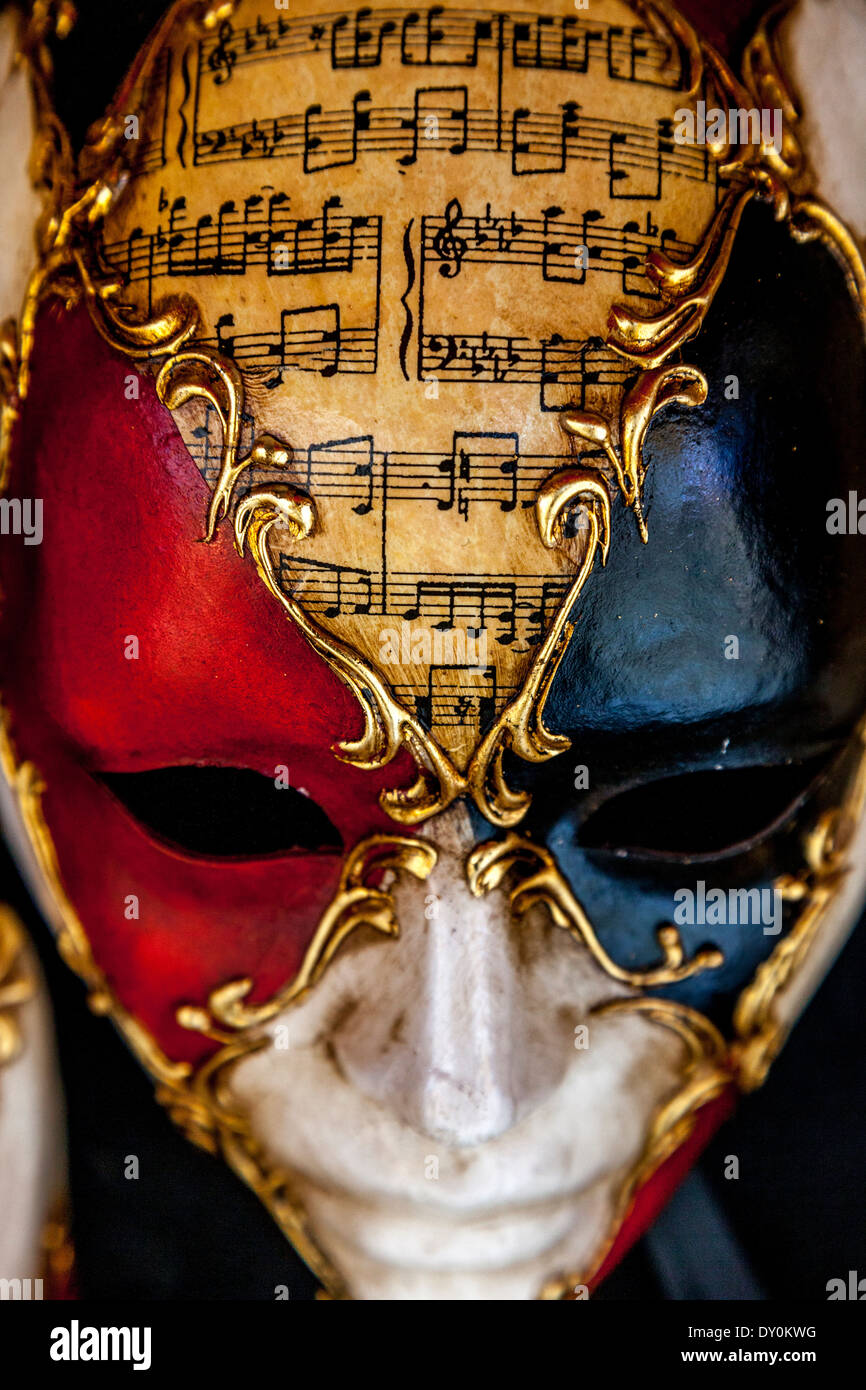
x=700 y=814
x=223 y=812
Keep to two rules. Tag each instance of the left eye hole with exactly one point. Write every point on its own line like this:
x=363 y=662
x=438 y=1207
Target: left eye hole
x=700 y=814
x=223 y=812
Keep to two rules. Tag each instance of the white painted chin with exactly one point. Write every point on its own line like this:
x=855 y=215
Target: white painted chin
x=389 y=1253
x=443 y=1133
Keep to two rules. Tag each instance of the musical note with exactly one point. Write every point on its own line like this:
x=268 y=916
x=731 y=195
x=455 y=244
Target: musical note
x=632 y=170
x=262 y=233
x=455 y=694
x=327 y=588
x=433 y=112
x=330 y=139
x=311 y=331
x=551 y=242
x=627 y=51
x=575 y=367
x=508 y=469
x=484 y=468
x=552 y=594
x=311 y=338
x=537 y=146
x=549 y=42
x=486 y=357
x=364 y=47
x=562 y=102
x=516 y=606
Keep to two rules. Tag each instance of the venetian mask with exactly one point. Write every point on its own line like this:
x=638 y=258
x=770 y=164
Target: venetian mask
x=432 y=713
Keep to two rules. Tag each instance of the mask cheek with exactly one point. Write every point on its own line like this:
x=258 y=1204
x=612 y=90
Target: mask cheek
x=166 y=928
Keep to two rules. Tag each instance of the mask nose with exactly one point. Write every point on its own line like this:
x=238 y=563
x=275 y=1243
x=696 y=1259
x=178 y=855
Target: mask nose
x=440 y=1045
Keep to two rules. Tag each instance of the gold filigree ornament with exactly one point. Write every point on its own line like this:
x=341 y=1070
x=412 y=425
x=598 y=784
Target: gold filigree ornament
x=760 y=1031
x=76 y=199
x=202 y=374
x=356 y=903
x=540 y=881
x=17 y=985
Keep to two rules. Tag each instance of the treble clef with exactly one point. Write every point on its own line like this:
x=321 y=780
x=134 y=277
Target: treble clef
x=448 y=247
x=222 y=58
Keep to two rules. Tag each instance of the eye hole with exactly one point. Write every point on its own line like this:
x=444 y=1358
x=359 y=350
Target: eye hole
x=701 y=814
x=223 y=812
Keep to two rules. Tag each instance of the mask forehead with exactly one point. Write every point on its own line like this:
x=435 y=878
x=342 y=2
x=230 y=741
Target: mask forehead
x=412 y=360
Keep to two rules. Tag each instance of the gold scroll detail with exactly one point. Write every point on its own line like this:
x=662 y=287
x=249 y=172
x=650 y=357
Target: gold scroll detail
x=356 y=903
x=75 y=201
x=198 y=1103
x=706 y=1076
x=765 y=82
x=88 y=193
x=539 y=881
x=759 y=1033
x=8 y=395
x=667 y=24
x=812 y=220
x=654 y=389
x=200 y=374
x=16 y=983
x=688 y=287
x=520 y=728
x=81 y=201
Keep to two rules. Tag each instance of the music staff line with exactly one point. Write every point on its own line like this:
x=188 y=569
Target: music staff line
x=505 y=358
x=313 y=338
x=310 y=338
x=442 y=703
x=264 y=235
x=151 y=153
x=553 y=244
x=481 y=468
x=233 y=241
x=538 y=142
x=512 y=608
x=446 y=38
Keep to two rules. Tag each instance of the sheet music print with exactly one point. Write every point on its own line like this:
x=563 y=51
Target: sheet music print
x=481 y=474
x=407 y=227
x=446 y=37
x=260 y=232
x=554 y=250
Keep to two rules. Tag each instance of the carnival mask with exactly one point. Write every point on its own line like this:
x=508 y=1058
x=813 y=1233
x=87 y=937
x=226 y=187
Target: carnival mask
x=433 y=706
